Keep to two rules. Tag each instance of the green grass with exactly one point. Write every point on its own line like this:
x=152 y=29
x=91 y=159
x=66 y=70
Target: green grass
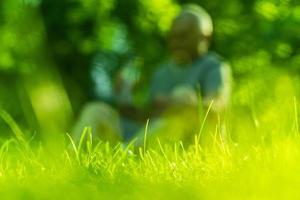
x=261 y=169
x=261 y=159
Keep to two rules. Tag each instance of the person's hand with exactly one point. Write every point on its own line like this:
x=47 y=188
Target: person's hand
x=184 y=96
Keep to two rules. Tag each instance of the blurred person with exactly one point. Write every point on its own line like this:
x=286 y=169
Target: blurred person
x=192 y=69
x=173 y=100
x=192 y=65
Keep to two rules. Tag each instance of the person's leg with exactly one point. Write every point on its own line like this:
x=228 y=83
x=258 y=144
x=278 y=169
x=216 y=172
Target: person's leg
x=130 y=128
x=102 y=118
x=185 y=124
x=174 y=125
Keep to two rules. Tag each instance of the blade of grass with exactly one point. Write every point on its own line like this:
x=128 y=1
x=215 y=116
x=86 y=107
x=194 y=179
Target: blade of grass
x=162 y=150
x=296 y=115
x=145 y=135
x=16 y=130
x=81 y=140
x=74 y=148
x=204 y=120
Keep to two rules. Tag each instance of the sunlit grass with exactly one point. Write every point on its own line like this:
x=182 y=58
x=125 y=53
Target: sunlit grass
x=265 y=169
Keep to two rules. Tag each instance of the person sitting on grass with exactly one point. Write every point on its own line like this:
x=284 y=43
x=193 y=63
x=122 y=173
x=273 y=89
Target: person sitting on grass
x=192 y=69
x=192 y=72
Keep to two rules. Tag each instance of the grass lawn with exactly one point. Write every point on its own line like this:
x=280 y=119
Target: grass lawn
x=264 y=169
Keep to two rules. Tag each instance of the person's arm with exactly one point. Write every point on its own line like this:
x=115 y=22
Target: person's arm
x=217 y=88
x=180 y=97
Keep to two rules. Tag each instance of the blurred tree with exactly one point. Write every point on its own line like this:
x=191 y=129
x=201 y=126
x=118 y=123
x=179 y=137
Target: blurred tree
x=42 y=36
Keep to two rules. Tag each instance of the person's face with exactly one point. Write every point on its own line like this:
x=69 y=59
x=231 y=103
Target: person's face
x=184 y=38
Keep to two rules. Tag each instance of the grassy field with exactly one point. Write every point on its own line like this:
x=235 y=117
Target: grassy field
x=260 y=160
x=263 y=168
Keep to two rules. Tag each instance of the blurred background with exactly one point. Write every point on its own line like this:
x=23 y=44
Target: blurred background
x=47 y=50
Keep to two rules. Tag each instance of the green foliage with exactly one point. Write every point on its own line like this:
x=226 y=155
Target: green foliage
x=46 y=49
x=255 y=37
x=83 y=27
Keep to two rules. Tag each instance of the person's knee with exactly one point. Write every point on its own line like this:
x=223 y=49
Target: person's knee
x=103 y=120
x=99 y=110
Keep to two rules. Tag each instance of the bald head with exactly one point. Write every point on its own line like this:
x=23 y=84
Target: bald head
x=201 y=17
x=189 y=34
